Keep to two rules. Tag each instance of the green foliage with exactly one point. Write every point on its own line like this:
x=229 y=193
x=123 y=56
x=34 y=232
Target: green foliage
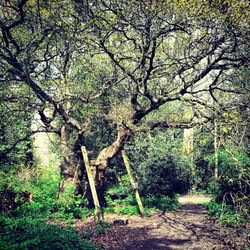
x=44 y=190
x=44 y=204
x=119 y=195
x=129 y=200
x=15 y=125
x=70 y=206
x=127 y=210
x=213 y=187
x=225 y=214
x=122 y=190
x=103 y=228
x=125 y=203
x=160 y=167
x=233 y=185
x=159 y=176
x=110 y=207
x=24 y=234
x=27 y=228
x=163 y=203
x=120 y=202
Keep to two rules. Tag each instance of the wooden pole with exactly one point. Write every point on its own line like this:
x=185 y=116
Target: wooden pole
x=133 y=183
x=91 y=184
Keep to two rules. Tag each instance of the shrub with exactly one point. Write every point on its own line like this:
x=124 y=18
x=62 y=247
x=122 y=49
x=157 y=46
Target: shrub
x=121 y=199
x=44 y=203
x=127 y=210
x=234 y=180
x=42 y=189
x=225 y=214
x=128 y=205
x=69 y=206
x=122 y=190
x=36 y=235
x=164 y=203
x=159 y=165
x=213 y=187
x=161 y=176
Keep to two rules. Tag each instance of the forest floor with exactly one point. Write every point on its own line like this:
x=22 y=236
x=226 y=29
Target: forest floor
x=187 y=228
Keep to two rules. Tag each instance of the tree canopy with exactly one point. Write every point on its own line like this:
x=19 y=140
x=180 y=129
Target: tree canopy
x=103 y=75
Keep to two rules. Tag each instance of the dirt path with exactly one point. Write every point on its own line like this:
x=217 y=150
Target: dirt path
x=187 y=228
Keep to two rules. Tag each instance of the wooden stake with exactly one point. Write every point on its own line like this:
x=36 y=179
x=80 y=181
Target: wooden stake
x=91 y=184
x=133 y=183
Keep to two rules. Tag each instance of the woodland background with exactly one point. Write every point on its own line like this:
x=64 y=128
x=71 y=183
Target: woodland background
x=119 y=107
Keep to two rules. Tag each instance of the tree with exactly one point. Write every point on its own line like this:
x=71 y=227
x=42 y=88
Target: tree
x=39 y=41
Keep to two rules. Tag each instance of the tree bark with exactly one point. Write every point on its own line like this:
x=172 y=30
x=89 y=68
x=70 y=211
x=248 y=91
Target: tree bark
x=188 y=150
x=109 y=152
x=133 y=182
x=216 y=160
x=188 y=141
x=67 y=168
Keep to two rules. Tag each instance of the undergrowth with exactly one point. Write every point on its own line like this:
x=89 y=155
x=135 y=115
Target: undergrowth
x=225 y=214
x=26 y=233
x=27 y=225
x=121 y=200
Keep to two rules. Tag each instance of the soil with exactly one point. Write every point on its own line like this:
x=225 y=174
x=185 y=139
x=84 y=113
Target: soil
x=187 y=228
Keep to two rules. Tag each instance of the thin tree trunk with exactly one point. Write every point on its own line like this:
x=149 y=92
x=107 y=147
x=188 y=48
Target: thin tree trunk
x=188 y=141
x=188 y=150
x=133 y=183
x=92 y=184
x=216 y=159
x=67 y=167
x=69 y=170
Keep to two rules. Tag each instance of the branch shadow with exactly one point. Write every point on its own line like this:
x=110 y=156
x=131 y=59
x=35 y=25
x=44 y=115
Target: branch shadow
x=186 y=232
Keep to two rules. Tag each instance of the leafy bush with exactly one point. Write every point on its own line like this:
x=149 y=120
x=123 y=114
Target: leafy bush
x=36 y=235
x=159 y=165
x=127 y=210
x=122 y=190
x=233 y=219
x=225 y=214
x=120 y=205
x=164 y=203
x=213 y=187
x=44 y=204
x=128 y=205
x=70 y=206
x=129 y=200
x=233 y=185
x=42 y=187
x=120 y=199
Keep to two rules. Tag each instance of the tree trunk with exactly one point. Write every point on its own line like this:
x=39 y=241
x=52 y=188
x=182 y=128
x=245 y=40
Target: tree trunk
x=133 y=182
x=216 y=160
x=67 y=168
x=188 y=150
x=92 y=184
x=105 y=155
x=109 y=152
x=188 y=141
